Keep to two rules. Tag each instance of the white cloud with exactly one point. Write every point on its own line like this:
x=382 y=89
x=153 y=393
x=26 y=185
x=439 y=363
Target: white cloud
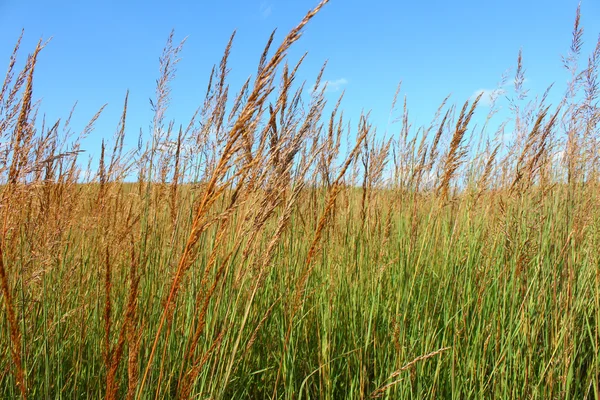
x=265 y=9
x=487 y=96
x=333 y=85
x=558 y=157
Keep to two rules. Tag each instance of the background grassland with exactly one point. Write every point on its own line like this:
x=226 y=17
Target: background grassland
x=252 y=254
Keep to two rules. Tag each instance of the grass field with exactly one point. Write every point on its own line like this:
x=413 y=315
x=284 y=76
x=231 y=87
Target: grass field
x=268 y=249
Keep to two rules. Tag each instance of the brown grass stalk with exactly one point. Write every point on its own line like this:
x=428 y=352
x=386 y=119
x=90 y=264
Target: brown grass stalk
x=253 y=105
x=379 y=392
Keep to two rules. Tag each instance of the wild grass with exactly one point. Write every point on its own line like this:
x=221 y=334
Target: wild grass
x=254 y=256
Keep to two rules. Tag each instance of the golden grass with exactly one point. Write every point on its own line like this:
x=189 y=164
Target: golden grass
x=256 y=257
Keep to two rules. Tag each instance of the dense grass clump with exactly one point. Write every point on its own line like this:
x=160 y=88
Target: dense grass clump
x=250 y=254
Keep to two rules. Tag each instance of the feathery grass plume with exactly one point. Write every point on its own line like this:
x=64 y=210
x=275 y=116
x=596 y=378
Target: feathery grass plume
x=541 y=148
x=379 y=392
x=374 y=163
x=420 y=162
x=365 y=154
x=456 y=153
x=8 y=79
x=20 y=137
x=589 y=115
x=529 y=143
x=332 y=142
x=433 y=153
x=160 y=136
x=483 y=183
x=570 y=61
x=176 y=177
x=120 y=163
x=571 y=64
x=520 y=78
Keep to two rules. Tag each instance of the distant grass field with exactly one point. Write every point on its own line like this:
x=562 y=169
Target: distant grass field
x=266 y=251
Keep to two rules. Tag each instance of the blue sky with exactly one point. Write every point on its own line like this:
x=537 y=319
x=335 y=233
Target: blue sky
x=102 y=48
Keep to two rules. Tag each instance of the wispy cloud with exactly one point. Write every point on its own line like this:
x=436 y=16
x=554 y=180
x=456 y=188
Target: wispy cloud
x=265 y=9
x=333 y=85
x=488 y=96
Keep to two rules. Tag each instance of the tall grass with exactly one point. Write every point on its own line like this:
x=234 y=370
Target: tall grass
x=255 y=256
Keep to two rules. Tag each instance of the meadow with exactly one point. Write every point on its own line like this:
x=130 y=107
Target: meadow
x=268 y=248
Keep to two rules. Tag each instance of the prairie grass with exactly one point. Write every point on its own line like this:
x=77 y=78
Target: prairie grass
x=248 y=254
